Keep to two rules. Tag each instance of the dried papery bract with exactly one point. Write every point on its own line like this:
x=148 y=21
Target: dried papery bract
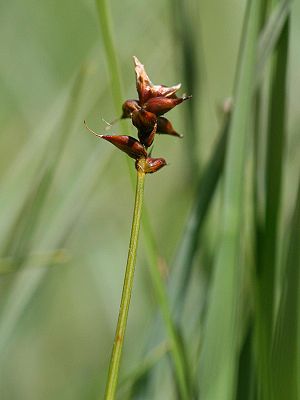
x=143 y=83
x=145 y=87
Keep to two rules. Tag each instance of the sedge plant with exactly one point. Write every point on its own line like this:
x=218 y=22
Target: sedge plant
x=146 y=115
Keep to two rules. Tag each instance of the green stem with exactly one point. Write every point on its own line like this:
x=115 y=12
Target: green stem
x=126 y=293
x=177 y=352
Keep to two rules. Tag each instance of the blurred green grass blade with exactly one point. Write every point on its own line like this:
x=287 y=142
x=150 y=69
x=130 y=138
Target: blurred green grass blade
x=266 y=270
x=65 y=216
x=217 y=375
x=19 y=239
x=270 y=35
x=247 y=382
x=177 y=352
x=136 y=376
x=187 y=40
x=206 y=187
x=53 y=258
x=22 y=176
x=106 y=30
x=212 y=172
x=26 y=283
x=286 y=349
x=246 y=387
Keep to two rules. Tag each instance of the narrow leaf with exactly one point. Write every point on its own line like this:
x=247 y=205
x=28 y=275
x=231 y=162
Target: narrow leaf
x=219 y=355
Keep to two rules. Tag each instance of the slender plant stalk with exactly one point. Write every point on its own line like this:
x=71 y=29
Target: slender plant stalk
x=127 y=290
x=177 y=352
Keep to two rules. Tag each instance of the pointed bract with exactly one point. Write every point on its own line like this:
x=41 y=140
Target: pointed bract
x=128 y=144
x=161 y=105
x=165 y=127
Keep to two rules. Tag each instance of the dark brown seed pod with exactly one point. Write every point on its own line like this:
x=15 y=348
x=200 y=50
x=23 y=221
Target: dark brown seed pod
x=161 y=105
x=165 y=127
x=128 y=144
x=146 y=123
x=147 y=140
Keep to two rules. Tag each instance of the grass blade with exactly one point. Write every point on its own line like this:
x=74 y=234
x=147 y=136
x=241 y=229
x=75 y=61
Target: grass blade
x=206 y=187
x=112 y=60
x=218 y=361
x=66 y=215
x=212 y=172
x=21 y=293
x=267 y=268
x=286 y=349
x=19 y=239
x=270 y=35
x=187 y=39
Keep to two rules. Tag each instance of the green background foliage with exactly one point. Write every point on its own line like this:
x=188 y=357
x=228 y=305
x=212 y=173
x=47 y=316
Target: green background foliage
x=215 y=309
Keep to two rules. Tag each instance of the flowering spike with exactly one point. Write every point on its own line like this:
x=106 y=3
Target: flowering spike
x=146 y=115
x=150 y=165
x=164 y=126
x=161 y=105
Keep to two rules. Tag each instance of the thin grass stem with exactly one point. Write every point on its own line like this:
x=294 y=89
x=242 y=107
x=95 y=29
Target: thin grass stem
x=114 y=367
x=177 y=352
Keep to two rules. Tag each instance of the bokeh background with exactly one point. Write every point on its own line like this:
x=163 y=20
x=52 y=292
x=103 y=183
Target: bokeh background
x=66 y=197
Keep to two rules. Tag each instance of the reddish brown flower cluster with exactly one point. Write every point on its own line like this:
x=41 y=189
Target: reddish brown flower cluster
x=146 y=115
